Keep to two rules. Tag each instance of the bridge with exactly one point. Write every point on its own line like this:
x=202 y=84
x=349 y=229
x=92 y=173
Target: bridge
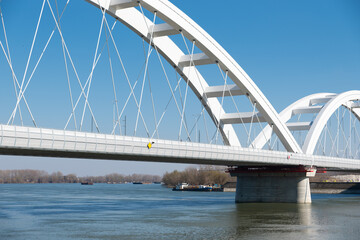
x=272 y=154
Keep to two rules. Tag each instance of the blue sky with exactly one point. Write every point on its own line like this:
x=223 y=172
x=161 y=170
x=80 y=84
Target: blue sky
x=289 y=48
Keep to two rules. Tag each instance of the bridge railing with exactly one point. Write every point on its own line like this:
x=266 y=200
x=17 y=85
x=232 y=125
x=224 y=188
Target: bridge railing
x=18 y=140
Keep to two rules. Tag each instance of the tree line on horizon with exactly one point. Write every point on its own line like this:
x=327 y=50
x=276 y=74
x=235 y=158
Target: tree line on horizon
x=40 y=176
x=205 y=175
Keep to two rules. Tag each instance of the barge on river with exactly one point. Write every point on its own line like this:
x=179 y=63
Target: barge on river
x=197 y=188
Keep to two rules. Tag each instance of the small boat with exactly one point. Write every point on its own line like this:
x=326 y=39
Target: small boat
x=187 y=187
x=137 y=183
x=87 y=183
x=181 y=187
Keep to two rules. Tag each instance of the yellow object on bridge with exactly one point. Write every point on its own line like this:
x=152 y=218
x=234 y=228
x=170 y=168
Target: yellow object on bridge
x=150 y=145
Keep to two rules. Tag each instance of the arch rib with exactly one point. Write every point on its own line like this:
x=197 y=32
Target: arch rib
x=344 y=99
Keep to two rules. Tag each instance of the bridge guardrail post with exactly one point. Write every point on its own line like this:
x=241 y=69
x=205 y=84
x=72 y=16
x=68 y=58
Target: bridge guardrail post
x=41 y=138
x=52 y=138
x=64 y=140
x=15 y=136
x=2 y=135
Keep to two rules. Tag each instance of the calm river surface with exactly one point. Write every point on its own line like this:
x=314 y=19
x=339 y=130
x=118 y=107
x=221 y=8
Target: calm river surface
x=127 y=211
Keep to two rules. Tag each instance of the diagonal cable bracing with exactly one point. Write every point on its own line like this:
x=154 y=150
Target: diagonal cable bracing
x=117 y=122
x=21 y=94
x=356 y=133
x=198 y=116
x=330 y=137
x=166 y=107
x=129 y=96
x=333 y=149
x=145 y=72
x=36 y=65
x=146 y=68
x=16 y=80
x=338 y=131
x=171 y=90
x=10 y=63
x=164 y=71
x=222 y=102
x=126 y=76
x=333 y=139
x=251 y=123
x=66 y=65
x=187 y=85
x=153 y=105
x=350 y=132
x=87 y=82
x=92 y=71
x=262 y=130
x=27 y=64
x=73 y=66
x=343 y=132
x=205 y=125
x=238 y=111
x=182 y=102
x=201 y=84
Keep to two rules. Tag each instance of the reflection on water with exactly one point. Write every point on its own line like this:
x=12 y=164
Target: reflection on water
x=72 y=211
x=272 y=221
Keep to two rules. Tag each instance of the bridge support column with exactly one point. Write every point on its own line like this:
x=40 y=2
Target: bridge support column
x=273 y=184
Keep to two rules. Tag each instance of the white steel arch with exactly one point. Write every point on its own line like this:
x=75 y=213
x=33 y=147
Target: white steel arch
x=175 y=22
x=344 y=99
x=285 y=115
x=125 y=12
x=310 y=104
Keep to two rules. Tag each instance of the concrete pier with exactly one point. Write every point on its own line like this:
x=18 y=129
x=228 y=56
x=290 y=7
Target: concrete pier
x=273 y=184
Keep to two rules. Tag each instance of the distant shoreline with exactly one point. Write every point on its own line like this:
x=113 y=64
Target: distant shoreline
x=28 y=176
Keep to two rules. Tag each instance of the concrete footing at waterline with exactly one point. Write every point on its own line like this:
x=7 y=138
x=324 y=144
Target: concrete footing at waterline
x=273 y=184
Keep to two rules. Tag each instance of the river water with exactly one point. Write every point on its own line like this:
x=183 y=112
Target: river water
x=127 y=211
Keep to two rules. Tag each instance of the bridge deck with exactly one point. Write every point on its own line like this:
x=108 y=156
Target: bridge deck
x=29 y=141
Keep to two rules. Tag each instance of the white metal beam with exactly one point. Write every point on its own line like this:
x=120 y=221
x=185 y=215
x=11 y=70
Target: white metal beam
x=310 y=109
x=195 y=60
x=320 y=100
x=298 y=126
x=163 y=29
x=122 y=4
x=219 y=91
x=355 y=105
x=243 y=117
